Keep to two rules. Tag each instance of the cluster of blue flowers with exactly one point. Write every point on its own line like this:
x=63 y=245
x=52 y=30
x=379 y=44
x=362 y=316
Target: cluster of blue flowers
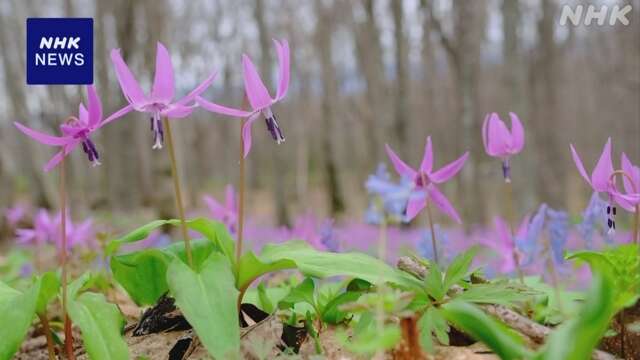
x=388 y=199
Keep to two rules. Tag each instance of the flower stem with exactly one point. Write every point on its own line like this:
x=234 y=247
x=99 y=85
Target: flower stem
x=433 y=234
x=508 y=187
x=47 y=334
x=382 y=255
x=68 y=335
x=176 y=187
x=240 y=198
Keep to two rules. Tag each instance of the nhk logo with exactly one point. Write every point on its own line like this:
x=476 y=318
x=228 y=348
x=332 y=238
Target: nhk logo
x=59 y=51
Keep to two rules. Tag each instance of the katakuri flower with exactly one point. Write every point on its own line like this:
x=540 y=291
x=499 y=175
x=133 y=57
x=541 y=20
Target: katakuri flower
x=425 y=180
x=258 y=96
x=159 y=103
x=77 y=130
x=506 y=246
x=501 y=143
x=16 y=213
x=227 y=213
x=601 y=181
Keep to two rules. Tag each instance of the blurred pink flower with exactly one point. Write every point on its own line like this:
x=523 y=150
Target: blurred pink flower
x=159 y=103
x=227 y=213
x=76 y=131
x=16 y=213
x=501 y=143
x=258 y=96
x=504 y=244
x=46 y=229
x=425 y=181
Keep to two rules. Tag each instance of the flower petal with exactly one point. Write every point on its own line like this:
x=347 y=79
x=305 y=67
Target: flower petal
x=498 y=136
x=116 y=115
x=400 y=166
x=485 y=129
x=517 y=134
x=95 y=106
x=257 y=93
x=42 y=137
x=603 y=169
x=427 y=159
x=450 y=170
x=220 y=109
x=163 y=81
x=443 y=203
x=130 y=87
x=83 y=116
x=175 y=111
x=55 y=160
x=230 y=198
x=633 y=172
x=198 y=90
x=284 y=68
x=578 y=162
x=246 y=133
x=217 y=210
x=417 y=202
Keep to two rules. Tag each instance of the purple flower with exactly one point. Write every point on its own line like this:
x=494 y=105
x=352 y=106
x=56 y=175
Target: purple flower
x=592 y=219
x=226 y=213
x=394 y=196
x=159 y=103
x=258 y=96
x=425 y=180
x=76 y=131
x=425 y=246
x=558 y=228
x=320 y=237
x=527 y=241
x=16 y=213
x=500 y=142
x=43 y=230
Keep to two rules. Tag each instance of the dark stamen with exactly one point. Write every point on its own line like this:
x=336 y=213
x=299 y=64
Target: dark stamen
x=274 y=129
x=506 y=170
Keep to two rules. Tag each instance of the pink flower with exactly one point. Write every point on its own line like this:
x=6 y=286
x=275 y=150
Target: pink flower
x=425 y=181
x=631 y=183
x=76 y=130
x=258 y=96
x=505 y=246
x=46 y=229
x=500 y=142
x=159 y=103
x=16 y=213
x=43 y=230
x=227 y=213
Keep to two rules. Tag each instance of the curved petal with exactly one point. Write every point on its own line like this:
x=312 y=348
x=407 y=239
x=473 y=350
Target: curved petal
x=603 y=169
x=42 y=137
x=246 y=133
x=284 y=68
x=95 y=106
x=517 y=134
x=175 y=111
x=257 y=93
x=130 y=87
x=450 y=170
x=498 y=136
x=163 y=81
x=443 y=203
x=485 y=129
x=416 y=203
x=400 y=166
x=578 y=162
x=116 y=115
x=626 y=201
x=220 y=109
x=55 y=160
x=427 y=159
x=633 y=171
x=198 y=90
x=217 y=210
x=83 y=115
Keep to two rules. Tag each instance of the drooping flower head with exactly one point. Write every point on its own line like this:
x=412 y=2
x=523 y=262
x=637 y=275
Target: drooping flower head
x=425 y=179
x=501 y=143
x=76 y=130
x=226 y=212
x=258 y=97
x=159 y=103
x=602 y=181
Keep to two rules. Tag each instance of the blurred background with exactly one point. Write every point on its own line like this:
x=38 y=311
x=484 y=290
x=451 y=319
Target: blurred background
x=364 y=73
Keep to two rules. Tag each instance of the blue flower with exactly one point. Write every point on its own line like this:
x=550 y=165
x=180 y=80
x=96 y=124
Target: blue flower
x=393 y=197
x=425 y=246
x=592 y=219
x=558 y=233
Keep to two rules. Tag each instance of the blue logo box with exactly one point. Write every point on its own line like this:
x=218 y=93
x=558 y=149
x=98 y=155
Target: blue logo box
x=59 y=51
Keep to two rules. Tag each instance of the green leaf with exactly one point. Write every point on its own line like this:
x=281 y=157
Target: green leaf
x=17 y=310
x=332 y=313
x=490 y=293
x=371 y=340
x=433 y=323
x=143 y=273
x=433 y=283
x=49 y=288
x=101 y=324
x=468 y=318
x=459 y=267
x=208 y=301
x=136 y=235
x=265 y=303
x=311 y=262
x=303 y=293
x=576 y=338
